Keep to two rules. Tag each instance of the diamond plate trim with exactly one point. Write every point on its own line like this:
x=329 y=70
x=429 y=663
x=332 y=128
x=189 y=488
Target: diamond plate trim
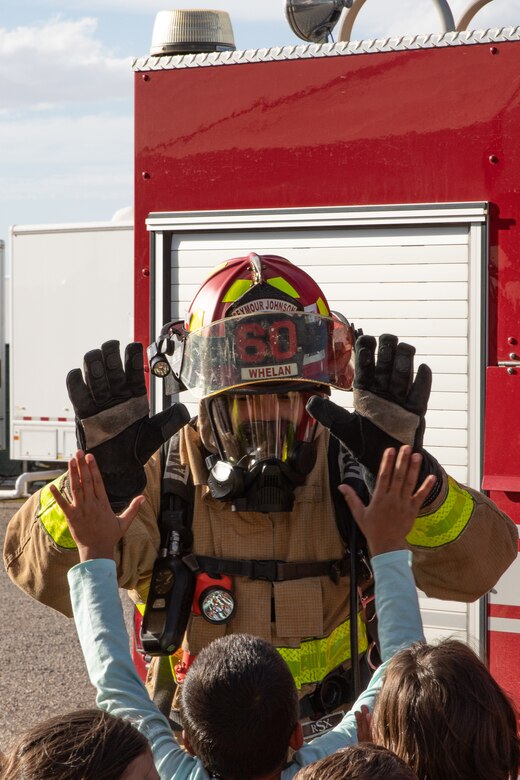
x=315 y=51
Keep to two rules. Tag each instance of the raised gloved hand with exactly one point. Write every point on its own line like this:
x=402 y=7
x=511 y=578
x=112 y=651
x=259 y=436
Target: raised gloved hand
x=112 y=418
x=389 y=406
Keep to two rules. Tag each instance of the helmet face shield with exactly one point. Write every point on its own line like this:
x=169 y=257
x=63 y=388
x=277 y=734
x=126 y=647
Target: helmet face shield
x=251 y=427
x=280 y=347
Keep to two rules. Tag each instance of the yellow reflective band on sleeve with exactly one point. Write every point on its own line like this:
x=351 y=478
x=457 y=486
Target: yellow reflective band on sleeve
x=447 y=523
x=53 y=519
x=315 y=658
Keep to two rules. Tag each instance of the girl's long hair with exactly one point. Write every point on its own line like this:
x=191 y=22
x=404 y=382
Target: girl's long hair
x=443 y=713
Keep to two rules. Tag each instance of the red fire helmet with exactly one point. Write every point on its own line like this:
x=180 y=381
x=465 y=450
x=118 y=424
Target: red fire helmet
x=261 y=319
x=259 y=278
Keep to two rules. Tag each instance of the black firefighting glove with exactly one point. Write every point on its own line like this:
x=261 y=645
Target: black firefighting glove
x=112 y=418
x=389 y=407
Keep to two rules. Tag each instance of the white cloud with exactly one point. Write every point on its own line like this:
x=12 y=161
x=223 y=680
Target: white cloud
x=101 y=139
x=58 y=170
x=381 y=14
x=272 y=10
x=59 y=62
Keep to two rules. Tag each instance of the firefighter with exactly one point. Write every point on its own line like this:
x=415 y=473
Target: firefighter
x=260 y=530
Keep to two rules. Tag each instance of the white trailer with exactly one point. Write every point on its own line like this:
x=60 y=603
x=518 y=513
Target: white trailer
x=71 y=289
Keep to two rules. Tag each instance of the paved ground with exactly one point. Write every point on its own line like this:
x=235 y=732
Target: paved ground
x=41 y=667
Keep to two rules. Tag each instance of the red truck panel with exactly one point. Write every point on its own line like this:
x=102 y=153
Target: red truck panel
x=502 y=436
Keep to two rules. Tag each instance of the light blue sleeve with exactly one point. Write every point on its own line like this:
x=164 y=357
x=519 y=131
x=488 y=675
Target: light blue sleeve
x=397 y=604
x=399 y=624
x=102 y=633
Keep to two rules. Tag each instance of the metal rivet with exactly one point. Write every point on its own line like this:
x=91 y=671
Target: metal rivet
x=145 y=271
x=146 y=369
x=146 y=77
x=493 y=50
x=511 y=340
x=513 y=356
x=146 y=175
x=511 y=370
x=493 y=159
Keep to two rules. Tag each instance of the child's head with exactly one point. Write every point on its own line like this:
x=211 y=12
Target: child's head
x=359 y=762
x=239 y=708
x=443 y=713
x=88 y=744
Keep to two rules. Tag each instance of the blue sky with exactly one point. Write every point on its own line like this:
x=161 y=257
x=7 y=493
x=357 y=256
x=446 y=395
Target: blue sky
x=66 y=113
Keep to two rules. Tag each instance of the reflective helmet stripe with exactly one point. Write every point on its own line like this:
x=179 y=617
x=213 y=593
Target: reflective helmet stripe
x=196 y=320
x=281 y=284
x=241 y=286
x=53 y=520
x=315 y=658
x=238 y=288
x=447 y=523
x=322 y=307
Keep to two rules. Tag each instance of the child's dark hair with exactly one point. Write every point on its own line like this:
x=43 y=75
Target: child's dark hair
x=89 y=744
x=358 y=762
x=239 y=707
x=443 y=713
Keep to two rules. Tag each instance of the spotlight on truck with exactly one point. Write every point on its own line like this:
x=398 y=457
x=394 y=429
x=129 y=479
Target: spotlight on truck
x=314 y=20
x=191 y=32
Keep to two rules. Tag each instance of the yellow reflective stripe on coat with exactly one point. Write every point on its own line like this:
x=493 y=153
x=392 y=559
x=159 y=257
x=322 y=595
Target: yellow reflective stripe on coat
x=53 y=519
x=315 y=658
x=447 y=523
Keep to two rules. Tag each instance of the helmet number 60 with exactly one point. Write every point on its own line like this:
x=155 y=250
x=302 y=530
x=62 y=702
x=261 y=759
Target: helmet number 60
x=257 y=342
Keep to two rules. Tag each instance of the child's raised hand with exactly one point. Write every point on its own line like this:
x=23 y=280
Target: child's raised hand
x=394 y=505
x=364 y=724
x=93 y=525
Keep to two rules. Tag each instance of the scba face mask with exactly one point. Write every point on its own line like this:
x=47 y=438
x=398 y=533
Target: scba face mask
x=266 y=445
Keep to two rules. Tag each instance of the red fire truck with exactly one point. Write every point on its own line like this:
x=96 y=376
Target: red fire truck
x=390 y=170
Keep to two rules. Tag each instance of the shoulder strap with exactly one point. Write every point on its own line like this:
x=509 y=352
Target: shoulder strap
x=347 y=530
x=177 y=493
x=176 y=476
x=344 y=469
x=172 y=584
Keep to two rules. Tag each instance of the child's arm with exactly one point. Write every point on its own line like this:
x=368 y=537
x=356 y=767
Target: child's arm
x=385 y=523
x=102 y=634
x=100 y=622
